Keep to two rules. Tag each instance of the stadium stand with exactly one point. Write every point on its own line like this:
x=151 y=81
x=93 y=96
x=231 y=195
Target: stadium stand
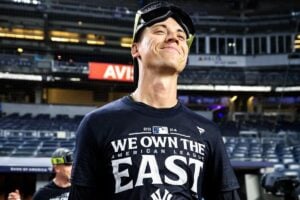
x=39 y=136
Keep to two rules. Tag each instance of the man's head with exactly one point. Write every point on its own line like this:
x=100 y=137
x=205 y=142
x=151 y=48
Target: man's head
x=62 y=159
x=62 y=156
x=157 y=12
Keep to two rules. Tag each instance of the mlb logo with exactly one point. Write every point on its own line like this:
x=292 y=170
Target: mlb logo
x=160 y=130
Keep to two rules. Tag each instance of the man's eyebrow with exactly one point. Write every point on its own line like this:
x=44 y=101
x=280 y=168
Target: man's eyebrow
x=158 y=25
x=165 y=26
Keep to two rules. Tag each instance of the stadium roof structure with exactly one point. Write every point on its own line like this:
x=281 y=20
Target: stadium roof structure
x=113 y=21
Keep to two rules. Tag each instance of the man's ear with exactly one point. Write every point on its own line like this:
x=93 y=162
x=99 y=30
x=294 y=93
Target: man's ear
x=134 y=50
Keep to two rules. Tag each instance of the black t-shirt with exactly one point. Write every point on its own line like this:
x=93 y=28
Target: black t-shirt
x=129 y=150
x=52 y=192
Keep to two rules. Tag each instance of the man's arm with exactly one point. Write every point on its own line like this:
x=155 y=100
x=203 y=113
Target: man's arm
x=81 y=192
x=86 y=168
x=228 y=195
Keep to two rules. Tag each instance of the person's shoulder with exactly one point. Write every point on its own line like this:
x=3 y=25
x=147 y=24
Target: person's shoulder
x=47 y=186
x=202 y=121
x=47 y=190
x=198 y=116
x=107 y=109
x=42 y=191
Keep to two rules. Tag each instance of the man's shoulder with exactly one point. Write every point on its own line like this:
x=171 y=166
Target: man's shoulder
x=48 y=185
x=199 y=116
x=44 y=191
x=107 y=109
x=49 y=190
x=203 y=121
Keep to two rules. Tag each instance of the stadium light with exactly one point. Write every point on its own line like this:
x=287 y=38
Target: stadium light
x=74 y=79
x=64 y=36
x=126 y=42
x=35 y=2
x=20 y=50
x=233 y=99
x=228 y=88
x=297 y=43
x=250 y=88
x=28 y=77
x=21 y=33
x=93 y=39
x=288 y=89
x=196 y=87
x=221 y=88
x=95 y=42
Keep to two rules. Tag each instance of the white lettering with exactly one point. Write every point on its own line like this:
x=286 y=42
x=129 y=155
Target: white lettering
x=193 y=146
x=146 y=142
x=150 y=161
x=172 y=167
x=110 y=72
x=132 y=143
x=118 y=72
x=159 y=141
x=173 y=142
x=148 y=169
x=118 y=175
x=201 y=149
x=121 y=144
x=198 y=165
x=184 y=143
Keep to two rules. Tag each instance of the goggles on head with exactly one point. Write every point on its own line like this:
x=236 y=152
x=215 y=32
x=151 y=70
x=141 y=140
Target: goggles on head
x=159 y=11
x=63 y=160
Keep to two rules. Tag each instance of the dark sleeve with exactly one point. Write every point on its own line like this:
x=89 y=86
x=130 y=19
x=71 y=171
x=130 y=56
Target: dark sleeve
x=90 y=164
x=80 y=192
x=40 y=194
x=220 y=180
x=229 y=195
x=85 y=166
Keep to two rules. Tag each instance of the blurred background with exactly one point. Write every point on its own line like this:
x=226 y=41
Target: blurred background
x=60 y=59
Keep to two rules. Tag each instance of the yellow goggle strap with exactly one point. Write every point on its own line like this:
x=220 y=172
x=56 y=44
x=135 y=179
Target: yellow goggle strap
x=57 y=160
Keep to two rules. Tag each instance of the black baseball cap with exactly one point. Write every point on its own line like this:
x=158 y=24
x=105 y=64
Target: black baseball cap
x=156 y=12
x=62 y=156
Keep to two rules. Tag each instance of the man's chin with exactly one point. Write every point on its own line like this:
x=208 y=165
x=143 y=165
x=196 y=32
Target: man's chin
x=176 y=63
x=68 y=178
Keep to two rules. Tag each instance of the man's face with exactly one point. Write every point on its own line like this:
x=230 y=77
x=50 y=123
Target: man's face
x=163 y=46
x=63 y=171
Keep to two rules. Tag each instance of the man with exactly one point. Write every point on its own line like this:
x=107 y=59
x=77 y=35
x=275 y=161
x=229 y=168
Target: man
x=148 y=145
x=59 y=187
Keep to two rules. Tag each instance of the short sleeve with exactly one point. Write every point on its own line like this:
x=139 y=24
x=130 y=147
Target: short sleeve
x=85 y=166
x=219 y=174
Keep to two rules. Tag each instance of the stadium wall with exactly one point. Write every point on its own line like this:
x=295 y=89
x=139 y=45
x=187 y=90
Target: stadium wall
x=53 y=110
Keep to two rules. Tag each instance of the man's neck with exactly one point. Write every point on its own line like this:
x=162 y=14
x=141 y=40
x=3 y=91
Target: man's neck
x=158 y=92
x=63 y=183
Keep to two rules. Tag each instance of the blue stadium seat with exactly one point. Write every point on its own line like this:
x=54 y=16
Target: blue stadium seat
x=6 y=151
x=45 y=151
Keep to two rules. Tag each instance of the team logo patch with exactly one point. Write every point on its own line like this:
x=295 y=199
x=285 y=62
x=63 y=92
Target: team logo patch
x=160 y=130
x=201 y=130
x=158 y=195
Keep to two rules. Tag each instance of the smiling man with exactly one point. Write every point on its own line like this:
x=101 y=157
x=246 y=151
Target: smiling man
x=148 y=145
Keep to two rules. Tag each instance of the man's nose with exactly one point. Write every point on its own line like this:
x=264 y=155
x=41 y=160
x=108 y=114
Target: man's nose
x=172 y=37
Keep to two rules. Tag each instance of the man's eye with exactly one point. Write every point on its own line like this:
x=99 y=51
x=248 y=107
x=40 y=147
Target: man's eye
x=181 y=37
x=159 y=32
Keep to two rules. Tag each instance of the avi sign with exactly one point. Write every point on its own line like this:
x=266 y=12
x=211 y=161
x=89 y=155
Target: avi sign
x=111 y=72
